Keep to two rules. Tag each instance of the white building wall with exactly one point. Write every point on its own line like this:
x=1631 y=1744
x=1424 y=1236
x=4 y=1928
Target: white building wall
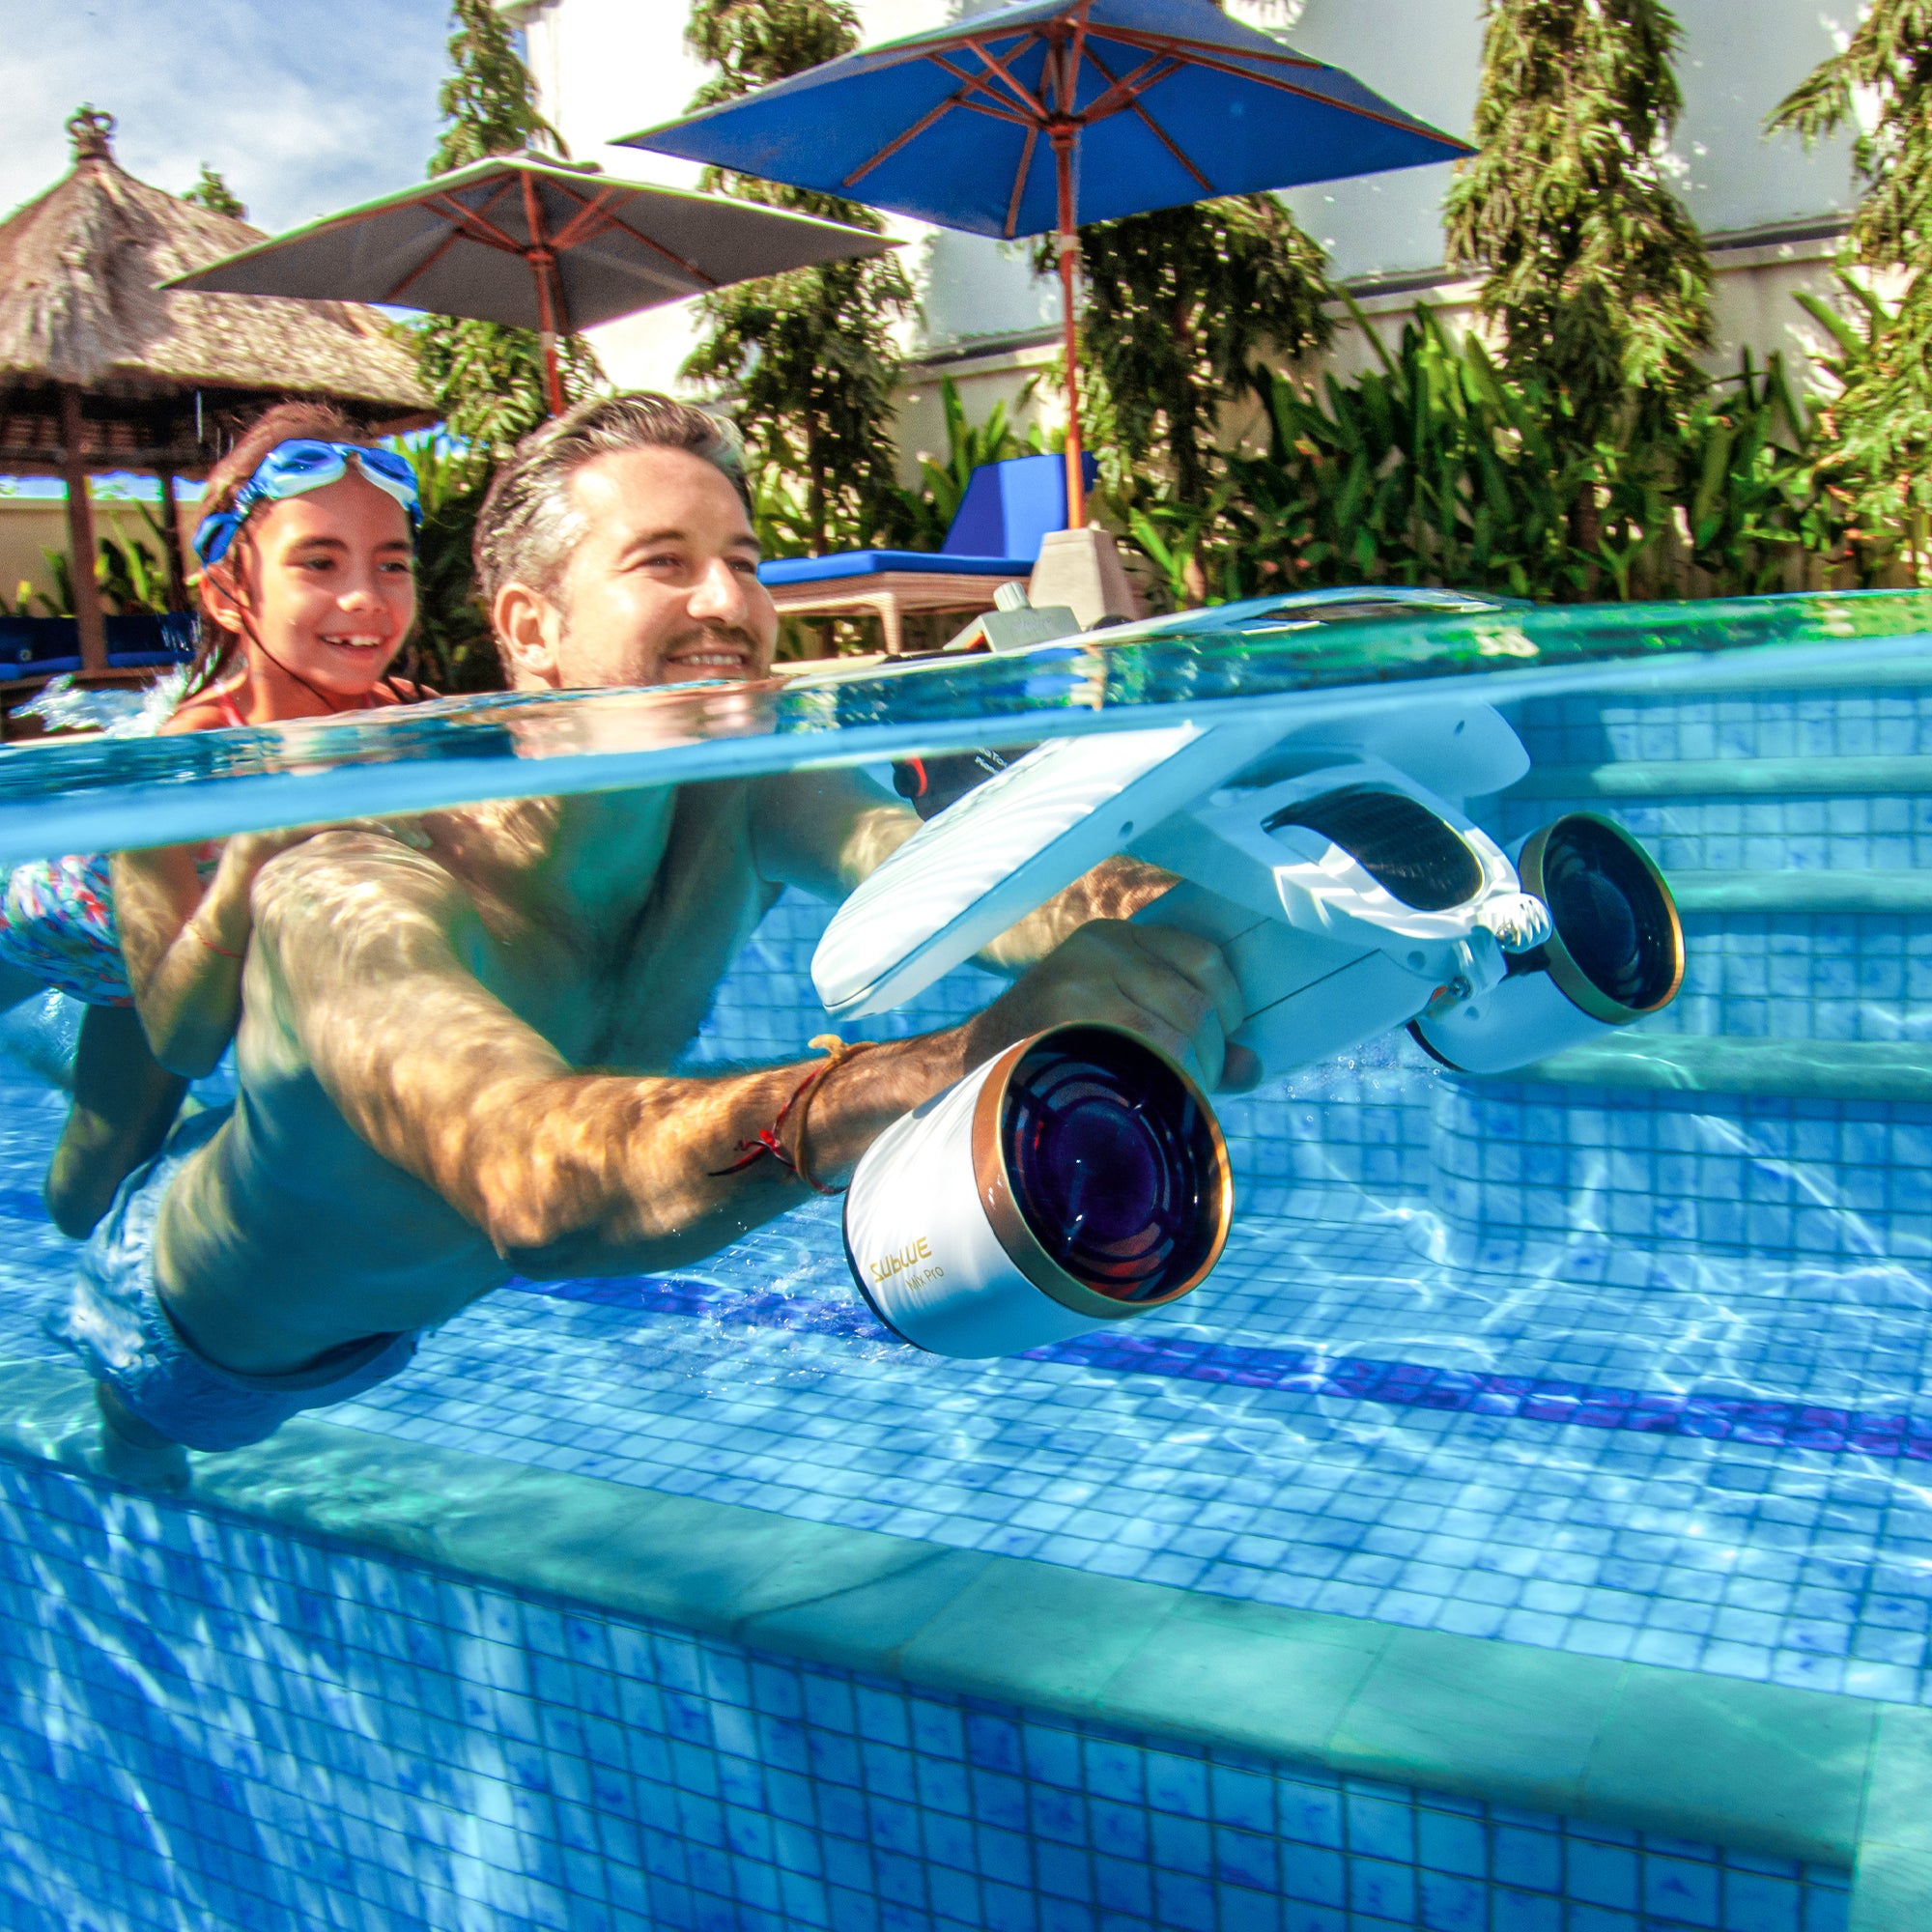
x=1769 y=210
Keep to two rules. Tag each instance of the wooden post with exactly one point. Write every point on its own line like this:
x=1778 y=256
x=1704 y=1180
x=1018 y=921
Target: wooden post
x=80 y=535
x=1067 y=242
x=171 y=535
x=550 y=291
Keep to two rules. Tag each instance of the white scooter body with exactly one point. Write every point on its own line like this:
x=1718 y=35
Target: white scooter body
x=1330 y=945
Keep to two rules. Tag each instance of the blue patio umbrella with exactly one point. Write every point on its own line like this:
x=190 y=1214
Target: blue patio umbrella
x=1046 y=114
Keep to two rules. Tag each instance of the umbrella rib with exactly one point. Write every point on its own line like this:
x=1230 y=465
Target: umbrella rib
x=481 y=214
x=689 y=269
x=1132 y=87
x=1075 y=54
x=455 y=235
x=471 y=222
x=1022 y=93
x=591 y=219
x=1155 y=67
x=1020 y=178
x=1402 y=122
x=912 y=134
x=1182 y=46
x=973 y=83
x=464 y=225
x=1010 y=116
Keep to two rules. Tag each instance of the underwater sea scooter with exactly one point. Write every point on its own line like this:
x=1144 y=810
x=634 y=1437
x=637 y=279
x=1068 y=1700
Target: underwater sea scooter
x=1350 y=890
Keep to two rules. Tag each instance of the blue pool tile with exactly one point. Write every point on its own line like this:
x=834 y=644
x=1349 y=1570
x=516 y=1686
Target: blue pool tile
x=1379 y=1828
x=1241 y=1798
x=1241 y=1911
x=1315 y=1876
x=1008 y=1908
x=1004 y=1856
x=1683 y=1891
x=1379 y=1888
x=1754 y=1902
x=1450 y=1904
x=1122 y=1885
x=1366 y=1481
x=1297 y=1917
x=1182 y=1902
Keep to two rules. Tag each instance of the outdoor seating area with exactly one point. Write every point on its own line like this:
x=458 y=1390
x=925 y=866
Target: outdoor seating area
x=1008 y=511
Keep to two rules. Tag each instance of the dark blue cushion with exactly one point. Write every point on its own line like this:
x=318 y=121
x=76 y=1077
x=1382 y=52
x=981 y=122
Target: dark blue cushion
x=31 y=645
x=45 y=646
x=877 y=562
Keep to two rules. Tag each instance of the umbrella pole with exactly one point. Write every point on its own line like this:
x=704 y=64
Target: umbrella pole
x=80 y=536
x=552 y=374
x=1069 y=245
x=542 y=259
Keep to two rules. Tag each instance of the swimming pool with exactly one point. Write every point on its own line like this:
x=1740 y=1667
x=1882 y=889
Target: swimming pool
x=1527 y=1526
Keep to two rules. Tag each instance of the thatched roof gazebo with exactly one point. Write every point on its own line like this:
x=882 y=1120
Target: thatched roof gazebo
x=99 y=369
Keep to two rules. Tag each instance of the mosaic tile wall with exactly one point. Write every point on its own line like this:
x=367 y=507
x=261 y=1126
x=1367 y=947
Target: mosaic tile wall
x=1872 y=722
x=1691 y=1459
x=206 y=1724
x=1733 y=835
x=1804 y=976
x=1691 y=834
x=1810 y=1180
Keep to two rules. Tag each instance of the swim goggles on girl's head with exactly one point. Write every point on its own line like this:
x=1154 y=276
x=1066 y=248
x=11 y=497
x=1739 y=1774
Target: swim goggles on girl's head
x=303 y=464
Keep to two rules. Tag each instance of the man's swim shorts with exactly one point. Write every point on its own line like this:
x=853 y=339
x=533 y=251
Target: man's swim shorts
x=114 y=1320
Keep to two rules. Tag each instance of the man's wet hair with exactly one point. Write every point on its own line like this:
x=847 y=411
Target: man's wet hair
x=530 y=526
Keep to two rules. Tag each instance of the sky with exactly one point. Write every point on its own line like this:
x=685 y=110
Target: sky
x=302 y=105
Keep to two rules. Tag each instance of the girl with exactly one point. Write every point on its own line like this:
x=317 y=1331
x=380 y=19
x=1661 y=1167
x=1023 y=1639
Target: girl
x=306 y=541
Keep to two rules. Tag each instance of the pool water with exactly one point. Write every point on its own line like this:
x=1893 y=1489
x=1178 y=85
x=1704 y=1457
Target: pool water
x=1621 y=1363
x=1708 y=1455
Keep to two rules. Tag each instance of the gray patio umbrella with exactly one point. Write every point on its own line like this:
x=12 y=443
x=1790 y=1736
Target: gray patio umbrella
x=531 y=242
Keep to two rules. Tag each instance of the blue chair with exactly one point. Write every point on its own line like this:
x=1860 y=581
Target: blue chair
x=1009 y=510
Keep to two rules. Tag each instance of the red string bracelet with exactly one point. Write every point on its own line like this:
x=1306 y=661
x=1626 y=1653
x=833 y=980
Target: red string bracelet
x=769 y=1141
x=210 y=945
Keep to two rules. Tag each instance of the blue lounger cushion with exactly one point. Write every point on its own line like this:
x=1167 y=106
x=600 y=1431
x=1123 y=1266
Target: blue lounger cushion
x=878 y=562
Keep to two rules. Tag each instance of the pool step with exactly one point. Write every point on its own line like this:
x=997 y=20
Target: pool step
x=1892 y=894
x=1789 y=1070
x=1882 y=715
x=1730 y=778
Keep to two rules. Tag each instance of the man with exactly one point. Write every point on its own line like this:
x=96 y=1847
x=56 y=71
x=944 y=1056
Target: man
x=419 y=1117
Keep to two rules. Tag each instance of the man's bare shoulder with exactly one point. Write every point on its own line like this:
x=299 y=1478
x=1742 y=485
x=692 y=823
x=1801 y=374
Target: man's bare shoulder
x=352 y=888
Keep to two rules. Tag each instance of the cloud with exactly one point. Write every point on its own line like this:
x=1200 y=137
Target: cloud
x=302 y=105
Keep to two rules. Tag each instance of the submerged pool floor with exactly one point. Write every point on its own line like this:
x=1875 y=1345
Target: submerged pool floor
x=1718 y=1465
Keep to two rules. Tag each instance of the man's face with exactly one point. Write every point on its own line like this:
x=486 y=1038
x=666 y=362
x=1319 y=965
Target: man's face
x=661 y=588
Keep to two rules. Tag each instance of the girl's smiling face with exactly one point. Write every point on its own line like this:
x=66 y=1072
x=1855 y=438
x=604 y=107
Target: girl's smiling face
x=323 y=587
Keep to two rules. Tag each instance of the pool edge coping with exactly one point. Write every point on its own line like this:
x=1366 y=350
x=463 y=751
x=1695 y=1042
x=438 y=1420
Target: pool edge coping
x=1808 y=1775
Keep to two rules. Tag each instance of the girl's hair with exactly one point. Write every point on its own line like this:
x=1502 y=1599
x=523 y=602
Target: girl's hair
x=215 y=650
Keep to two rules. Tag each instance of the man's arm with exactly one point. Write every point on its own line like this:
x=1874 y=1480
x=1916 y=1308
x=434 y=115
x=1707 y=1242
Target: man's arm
x=368 y=948
x=825 y=832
